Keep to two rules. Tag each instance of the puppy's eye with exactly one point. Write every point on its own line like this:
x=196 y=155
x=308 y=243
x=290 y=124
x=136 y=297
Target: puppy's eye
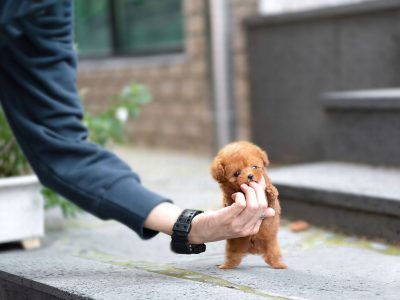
x=237 y=173
x=254 y=167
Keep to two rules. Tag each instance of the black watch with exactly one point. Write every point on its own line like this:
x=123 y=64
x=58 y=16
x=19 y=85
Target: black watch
x=180 y=232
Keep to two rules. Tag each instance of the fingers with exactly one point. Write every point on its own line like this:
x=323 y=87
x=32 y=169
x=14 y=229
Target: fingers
x=256 y=205
x=240 y=219
x=261 y=206
x=260 y=192
x=262 y=199
x=262 y=182
x=251 y=210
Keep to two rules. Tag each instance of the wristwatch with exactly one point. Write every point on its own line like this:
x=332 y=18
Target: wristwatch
x=180 y=232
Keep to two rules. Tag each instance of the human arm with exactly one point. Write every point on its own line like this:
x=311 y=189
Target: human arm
x=39 y=96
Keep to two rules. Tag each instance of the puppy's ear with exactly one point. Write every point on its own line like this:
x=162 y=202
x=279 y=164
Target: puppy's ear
x=218 y=170
x=264 y=157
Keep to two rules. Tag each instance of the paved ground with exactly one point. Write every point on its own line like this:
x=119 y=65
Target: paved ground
x=104 y=260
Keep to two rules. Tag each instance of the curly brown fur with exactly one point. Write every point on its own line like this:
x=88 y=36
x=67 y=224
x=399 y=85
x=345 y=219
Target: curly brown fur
x=247 y=158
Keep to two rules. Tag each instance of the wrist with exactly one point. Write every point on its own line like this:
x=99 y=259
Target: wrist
x=163 y=217
x=195 y=236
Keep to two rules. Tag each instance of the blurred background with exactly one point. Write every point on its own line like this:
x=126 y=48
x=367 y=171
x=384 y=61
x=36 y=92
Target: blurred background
x=193 y=57
x=219 y=71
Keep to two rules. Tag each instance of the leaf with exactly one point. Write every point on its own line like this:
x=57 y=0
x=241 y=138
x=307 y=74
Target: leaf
x=52 y=199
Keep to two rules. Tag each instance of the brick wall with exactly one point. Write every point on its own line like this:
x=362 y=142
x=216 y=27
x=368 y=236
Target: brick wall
x=240 y=10
x=181 y=113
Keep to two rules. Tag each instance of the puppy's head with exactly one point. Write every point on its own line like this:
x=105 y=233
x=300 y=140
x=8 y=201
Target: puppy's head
x=238 y=163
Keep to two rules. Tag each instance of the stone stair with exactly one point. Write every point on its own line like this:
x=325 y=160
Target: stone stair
x=363 y=126
x=357 y=190
x=351 y=198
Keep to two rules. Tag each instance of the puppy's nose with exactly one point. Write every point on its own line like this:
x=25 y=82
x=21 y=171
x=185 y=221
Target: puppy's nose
x=250 y=176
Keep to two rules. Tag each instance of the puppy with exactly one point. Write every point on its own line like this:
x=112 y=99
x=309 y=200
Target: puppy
x=235 y=164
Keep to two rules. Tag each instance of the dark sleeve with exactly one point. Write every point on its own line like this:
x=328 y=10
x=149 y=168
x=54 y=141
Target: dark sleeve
x=39 y=96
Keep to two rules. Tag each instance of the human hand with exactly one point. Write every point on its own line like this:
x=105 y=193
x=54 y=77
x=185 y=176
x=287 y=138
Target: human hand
x=242 y=218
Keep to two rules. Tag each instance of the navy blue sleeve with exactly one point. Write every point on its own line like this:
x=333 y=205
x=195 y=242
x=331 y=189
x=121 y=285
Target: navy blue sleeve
x=39 y=96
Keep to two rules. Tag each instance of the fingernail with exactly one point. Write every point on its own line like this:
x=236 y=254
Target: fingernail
x=270 y=212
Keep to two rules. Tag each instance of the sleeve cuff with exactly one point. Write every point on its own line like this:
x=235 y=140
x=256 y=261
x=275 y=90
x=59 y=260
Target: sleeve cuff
x=129 y=202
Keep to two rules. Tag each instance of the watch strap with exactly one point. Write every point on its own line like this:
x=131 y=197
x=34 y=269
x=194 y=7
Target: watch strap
x=180 y=232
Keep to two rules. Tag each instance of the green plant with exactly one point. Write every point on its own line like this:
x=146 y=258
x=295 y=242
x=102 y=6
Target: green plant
x=12 y=161
x=108 y=126
x=104 y=129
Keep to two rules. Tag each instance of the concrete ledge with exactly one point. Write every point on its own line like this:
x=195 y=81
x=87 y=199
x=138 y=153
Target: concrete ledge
x=324 y=13
x=345 y=220
x=14 y=181
x=19 y=288
x=389 y=207
x=106 y=261
x=352 y=198
x=377 y=99
x=112 y=62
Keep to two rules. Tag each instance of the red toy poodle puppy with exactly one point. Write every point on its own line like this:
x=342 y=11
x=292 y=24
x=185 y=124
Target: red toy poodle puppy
x=236 y=164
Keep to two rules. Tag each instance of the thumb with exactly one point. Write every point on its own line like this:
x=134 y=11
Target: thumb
x=234 y=209
x=239 y=205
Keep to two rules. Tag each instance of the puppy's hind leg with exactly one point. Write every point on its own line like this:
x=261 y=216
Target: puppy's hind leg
x=272 y=254
x=236 y=249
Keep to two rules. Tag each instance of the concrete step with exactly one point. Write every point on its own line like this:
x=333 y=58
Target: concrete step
x=352 y=198
x=363 y=126
x=90 y=259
